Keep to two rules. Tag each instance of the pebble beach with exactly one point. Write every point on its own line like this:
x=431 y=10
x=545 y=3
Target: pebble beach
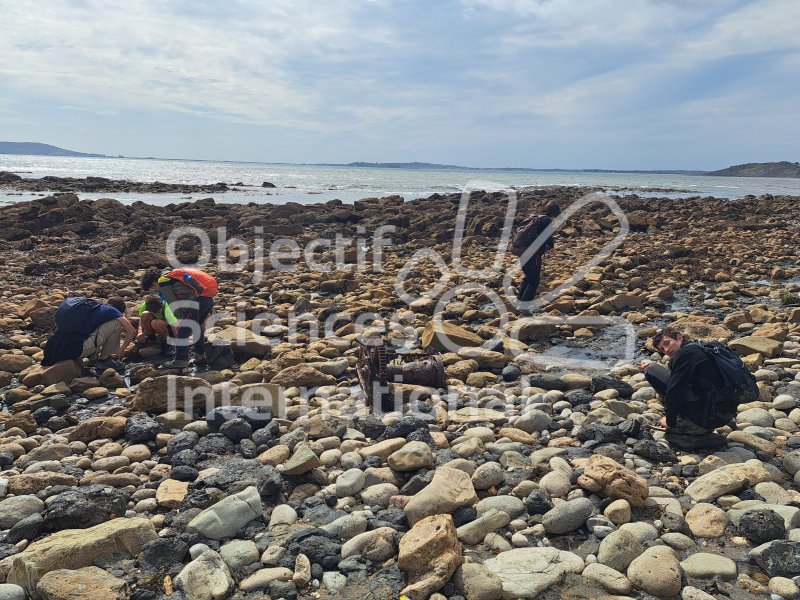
x=537 y=471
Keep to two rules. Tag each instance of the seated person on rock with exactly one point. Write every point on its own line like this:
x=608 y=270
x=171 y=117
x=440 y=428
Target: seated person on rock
x=691 y=391
x=156 y=322
x=90 y=329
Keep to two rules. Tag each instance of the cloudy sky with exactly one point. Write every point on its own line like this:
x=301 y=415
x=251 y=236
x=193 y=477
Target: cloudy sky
x=536 y=83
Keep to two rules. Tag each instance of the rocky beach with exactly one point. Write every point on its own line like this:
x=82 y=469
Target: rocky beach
x=536 y=471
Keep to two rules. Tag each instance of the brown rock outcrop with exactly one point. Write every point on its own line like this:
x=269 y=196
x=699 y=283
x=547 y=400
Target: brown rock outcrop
x=429 y=554
x=605 y=476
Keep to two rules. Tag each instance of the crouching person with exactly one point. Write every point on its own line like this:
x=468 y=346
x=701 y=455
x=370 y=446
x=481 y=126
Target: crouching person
x=90 y=329
x=189 y=293
x=696 y=390
x=156 y=322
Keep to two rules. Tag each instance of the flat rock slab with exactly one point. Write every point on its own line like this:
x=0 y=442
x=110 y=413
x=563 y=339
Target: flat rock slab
x=528 y=572
x=78 y=548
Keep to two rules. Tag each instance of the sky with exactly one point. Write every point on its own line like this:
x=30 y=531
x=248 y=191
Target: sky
x=610 y=84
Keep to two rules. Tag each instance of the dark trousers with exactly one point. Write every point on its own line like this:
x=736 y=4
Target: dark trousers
x=658 y=378
x=197 y=312
x=530 y=283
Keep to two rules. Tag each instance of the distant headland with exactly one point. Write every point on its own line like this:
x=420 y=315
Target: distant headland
x=769 y=169
x=38 y=149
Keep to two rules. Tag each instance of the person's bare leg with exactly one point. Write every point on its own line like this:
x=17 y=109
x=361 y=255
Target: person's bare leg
x=146 y=328
x=161 y=329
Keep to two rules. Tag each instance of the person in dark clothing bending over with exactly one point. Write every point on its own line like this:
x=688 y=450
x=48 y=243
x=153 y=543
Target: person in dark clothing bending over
x=189 y=294
x=686 y=388
x=532 y=265
x=90 y=329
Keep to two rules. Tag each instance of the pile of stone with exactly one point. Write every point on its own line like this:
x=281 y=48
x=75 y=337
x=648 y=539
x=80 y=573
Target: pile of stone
x=517 y=480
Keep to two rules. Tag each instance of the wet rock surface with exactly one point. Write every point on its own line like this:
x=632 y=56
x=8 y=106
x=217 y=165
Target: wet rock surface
x=536 y=471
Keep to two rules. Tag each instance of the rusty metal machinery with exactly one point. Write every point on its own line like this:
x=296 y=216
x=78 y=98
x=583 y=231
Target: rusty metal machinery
x=379 y=366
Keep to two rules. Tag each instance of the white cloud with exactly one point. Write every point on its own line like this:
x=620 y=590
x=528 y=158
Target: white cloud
x=469 y=74
x=142 y=55
x=765 y=26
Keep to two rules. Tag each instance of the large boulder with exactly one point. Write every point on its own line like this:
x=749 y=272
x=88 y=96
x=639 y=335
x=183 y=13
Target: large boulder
x=657 y=572
x=65 y=370
x=528 y=572
x=172 y=392
x=429 y=554
x=207 y=577
x=754 y=343
x=242 y=340
x=449 y=490
x=14 y=363
x=78 y=548
x=89 y=583
x=229 y=515
x=303 y=376
x=726 y=480
x=603 y=475
x=534 y=328
x=98 y=428
x=447 y=337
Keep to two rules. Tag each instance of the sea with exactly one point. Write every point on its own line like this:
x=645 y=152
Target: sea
x=320 y=183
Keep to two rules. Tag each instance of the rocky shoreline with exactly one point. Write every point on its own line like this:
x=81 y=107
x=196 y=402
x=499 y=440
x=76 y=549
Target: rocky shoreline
x=522 y=478
x=51 y=183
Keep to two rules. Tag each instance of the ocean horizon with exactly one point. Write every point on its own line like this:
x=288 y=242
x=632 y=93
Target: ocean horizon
x=313 y=183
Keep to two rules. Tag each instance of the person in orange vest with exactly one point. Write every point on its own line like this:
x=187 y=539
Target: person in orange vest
x=189 y=294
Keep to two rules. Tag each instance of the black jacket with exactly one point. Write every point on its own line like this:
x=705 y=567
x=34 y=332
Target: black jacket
x=692 y=382
x=534 y=228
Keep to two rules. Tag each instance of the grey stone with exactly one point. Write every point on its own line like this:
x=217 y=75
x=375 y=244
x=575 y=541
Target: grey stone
x=476 y=582
x=283 y=514
x=350 y=483
x=528 y=572
x=677 y=540
x=229 y=515
x=618 y=549
x=239 y=553
x=705 y=565
x=333 y=581
x=567 y=516
x=487 y=475
x=489 y=522
x=347 y=526
x=16 y=508
x=302 y=461
x=205 y=578
x=533 y=420
x=9 y=591
x=511 y=505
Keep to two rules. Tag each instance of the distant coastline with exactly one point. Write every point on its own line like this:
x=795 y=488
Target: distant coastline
x=773 y=169
x=782 y=169
x=38 y=149
x=434 y=166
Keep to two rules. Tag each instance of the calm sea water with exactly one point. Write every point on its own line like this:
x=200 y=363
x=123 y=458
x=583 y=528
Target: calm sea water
x=313 y=183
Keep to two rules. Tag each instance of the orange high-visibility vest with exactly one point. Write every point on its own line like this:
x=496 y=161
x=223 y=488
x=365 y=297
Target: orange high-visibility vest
x=201 y=282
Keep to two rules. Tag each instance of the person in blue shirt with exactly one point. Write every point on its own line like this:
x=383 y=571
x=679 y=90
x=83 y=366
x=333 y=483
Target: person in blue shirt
x=90 y=329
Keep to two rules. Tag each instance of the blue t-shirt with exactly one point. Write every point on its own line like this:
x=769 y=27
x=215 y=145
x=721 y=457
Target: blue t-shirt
x=101 y=314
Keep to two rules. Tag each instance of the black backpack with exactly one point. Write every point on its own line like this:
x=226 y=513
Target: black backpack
x=740 y=385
